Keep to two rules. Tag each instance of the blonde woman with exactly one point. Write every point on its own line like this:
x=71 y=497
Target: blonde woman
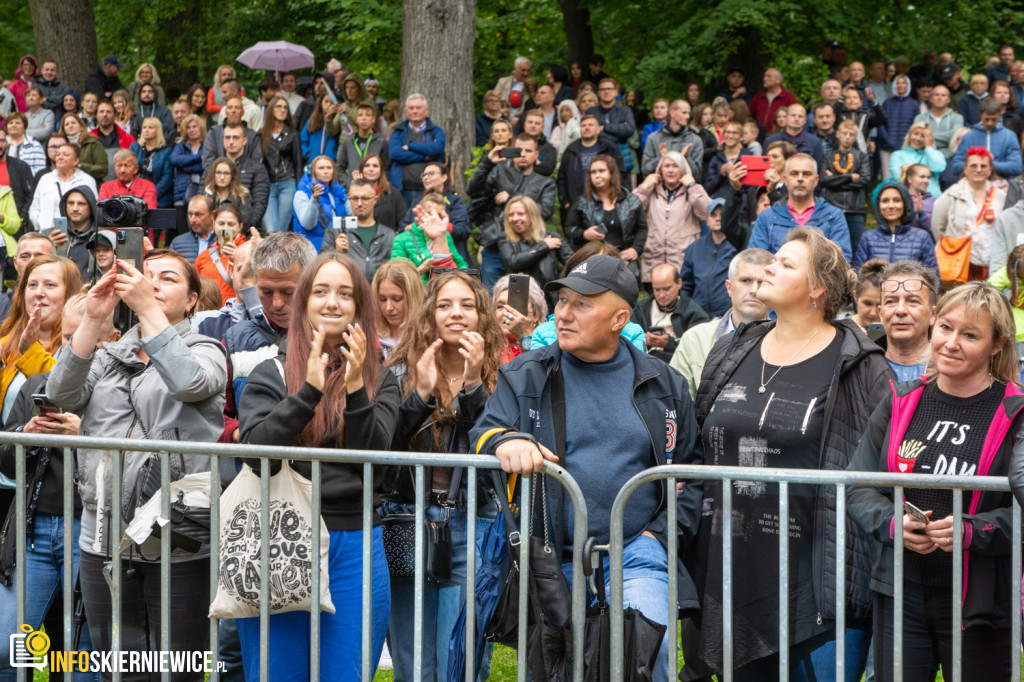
x=398 y=291
x=919 y=147
x=187 y=158
x=93 y=158
x=214 y=97
x=527 y=247
x=154 y=157
x=125 y=116
x=147 y=73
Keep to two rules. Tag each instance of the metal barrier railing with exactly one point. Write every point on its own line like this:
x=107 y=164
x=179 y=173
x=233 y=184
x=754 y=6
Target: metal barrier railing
x=368 y=459
x=783 y=477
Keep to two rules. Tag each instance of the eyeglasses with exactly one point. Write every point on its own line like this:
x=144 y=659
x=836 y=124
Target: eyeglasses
x=430 y=174
x=891 y=286
x=360 y=200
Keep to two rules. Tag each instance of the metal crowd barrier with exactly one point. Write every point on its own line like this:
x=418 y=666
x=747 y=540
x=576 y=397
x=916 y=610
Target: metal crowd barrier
x=784 y=477
x=368 y=459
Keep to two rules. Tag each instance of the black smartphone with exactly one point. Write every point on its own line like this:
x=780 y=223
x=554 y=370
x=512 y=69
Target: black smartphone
x=519 y=293
x=43 y=405
x=129 y=246
x=510 y=153
x=657 y=330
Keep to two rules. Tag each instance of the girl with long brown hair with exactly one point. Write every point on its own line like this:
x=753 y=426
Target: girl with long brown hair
x=282 y=157
x=390 y=206
x=448 y=362
x=327 y=388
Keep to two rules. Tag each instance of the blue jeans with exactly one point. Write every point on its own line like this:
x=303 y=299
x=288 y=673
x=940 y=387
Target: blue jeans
x=491 y=267
x=855 y=221
x=278 y=217
x=340 y=632
x=412 y=196
x=814 y=660
x=644 y=587
x=442 y=603
x=44 y=559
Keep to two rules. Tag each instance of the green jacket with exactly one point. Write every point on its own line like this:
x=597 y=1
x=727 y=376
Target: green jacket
x=1000 y=280
x=93 y=159
x=12 y=220
x=412 y=244
x=694 y=346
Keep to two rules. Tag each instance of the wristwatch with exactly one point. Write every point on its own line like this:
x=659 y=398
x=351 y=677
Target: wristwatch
x=690 y=184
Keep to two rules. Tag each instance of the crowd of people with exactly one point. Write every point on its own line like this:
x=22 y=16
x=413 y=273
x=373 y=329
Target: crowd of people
x=745 y=279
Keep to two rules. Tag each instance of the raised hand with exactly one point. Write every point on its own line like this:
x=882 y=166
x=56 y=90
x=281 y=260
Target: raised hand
x=133 y=287
x=31 y=333
x=472 y=351
x=354 y=351
x=316 y=365
x=426 y=370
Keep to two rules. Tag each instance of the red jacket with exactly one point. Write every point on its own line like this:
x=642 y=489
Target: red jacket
x=144 y=189
x=124 y=139
x=763 y=111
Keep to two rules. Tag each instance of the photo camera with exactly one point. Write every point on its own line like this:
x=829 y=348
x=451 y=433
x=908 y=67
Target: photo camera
x=123 y=210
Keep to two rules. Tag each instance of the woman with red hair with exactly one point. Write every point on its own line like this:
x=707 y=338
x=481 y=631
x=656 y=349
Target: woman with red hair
x=969 y=208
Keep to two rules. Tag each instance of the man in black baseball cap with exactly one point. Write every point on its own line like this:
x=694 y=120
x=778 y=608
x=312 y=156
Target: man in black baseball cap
x=606 y=412
x=103 y=82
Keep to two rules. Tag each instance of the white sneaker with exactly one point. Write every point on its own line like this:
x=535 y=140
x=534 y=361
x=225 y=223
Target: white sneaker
x=385 y=659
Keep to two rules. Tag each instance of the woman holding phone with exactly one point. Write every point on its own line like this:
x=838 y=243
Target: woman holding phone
x=318 y=200
x=962 y=419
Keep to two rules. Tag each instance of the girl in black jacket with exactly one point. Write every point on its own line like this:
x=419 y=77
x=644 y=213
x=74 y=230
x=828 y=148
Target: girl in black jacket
x=327 y=388
x=448 y=362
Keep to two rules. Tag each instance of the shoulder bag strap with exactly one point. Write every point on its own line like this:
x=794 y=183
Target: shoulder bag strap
x=215 y=257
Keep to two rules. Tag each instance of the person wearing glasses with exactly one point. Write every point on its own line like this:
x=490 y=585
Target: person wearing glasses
x=895 y=239
x=909 y=291
x=368 y=243
x=486 y=118
x=962 y=419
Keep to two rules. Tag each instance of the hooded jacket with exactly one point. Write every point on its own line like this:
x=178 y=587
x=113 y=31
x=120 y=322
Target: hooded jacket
x=988 y=521
x=704 y=271
x=81 y=242
x=11 y=220
x=412 y=244
x=367 y=259
x=672 y=225
x=523 y=402
x=19 y=86
x=53 y=92
x=674 y=141
x=772 y=226
x=1003 y=144
x=860 y=380
x=156 y=167
x=177 y=395
x=310 y=217
x=900 y=113
x=902 y=243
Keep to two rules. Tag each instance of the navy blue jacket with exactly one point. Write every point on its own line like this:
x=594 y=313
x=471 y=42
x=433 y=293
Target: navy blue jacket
x=705 y=269
x=186 y=163
x=908 y=243
x=432 y=147
x=899 y=116
x=522 y=401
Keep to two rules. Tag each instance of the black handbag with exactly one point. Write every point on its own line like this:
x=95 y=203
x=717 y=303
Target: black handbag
x=189 y=526
x=399 y=534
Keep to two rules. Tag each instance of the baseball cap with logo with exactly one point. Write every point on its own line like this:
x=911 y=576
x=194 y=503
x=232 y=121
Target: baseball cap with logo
x=599 y=274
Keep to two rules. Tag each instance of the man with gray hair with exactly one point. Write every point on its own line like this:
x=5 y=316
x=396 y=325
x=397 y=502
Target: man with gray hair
x=413 y=143
x=510 y=88
x=746 y=272
x=764 y=104
x=800 y=208
x=909 y=294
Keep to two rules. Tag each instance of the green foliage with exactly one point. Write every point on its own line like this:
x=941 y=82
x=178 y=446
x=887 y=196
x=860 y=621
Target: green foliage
x=16 y=37
x=506 y=29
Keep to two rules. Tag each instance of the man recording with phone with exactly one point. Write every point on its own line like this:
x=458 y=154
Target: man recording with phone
x=500 y=180
x=359 y=235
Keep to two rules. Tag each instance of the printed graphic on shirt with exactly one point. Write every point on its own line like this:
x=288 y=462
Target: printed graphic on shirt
x=907 y=455
x=943 y=451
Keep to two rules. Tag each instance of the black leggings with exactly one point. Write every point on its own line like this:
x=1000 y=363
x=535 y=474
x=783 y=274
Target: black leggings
x=140 y=608
x=928 y=639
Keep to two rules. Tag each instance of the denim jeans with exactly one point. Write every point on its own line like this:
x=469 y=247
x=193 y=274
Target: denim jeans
x=855 y=221
x=412 y=196
x=442 y=603
x=278 y=217
x=340 y=632
x=644 y=587
x=44 y=572
x=491 y=267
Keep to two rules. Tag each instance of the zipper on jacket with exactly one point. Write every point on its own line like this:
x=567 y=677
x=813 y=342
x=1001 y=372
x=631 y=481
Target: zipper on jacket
x=654 y=446
x=892 y=246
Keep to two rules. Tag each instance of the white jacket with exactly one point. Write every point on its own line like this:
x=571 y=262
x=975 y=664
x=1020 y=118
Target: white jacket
x=46 y=201
x=949 y=219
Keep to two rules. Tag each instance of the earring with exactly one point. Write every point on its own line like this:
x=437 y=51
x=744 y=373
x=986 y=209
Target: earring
x=814 y=304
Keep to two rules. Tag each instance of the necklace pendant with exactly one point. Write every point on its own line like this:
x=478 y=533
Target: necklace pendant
x=761 y=390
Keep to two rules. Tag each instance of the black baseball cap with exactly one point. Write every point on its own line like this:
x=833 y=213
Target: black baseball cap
x=949 y=71
x=112 y=59
x=598 y=274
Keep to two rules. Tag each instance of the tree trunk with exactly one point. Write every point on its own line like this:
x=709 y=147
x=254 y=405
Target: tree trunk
x=64 y=32
x=437 y=62
x=579 y=37
x=179 y=58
